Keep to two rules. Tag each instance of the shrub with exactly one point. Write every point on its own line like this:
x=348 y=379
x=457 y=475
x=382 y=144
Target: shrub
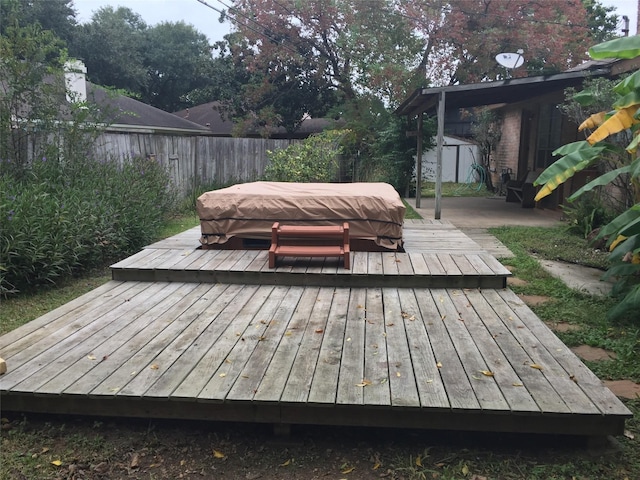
x=313 y=160
x=62 y=217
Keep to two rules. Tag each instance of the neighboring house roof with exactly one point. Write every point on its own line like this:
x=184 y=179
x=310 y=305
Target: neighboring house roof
x=125 y=113
x=208 y=115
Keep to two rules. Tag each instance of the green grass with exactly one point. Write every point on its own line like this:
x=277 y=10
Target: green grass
x=567 y=305
x=410 y=213
x=450 y=189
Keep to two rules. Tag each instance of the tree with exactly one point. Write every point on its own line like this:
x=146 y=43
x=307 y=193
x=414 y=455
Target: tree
x=112 y=47
x=30 y=101
x=57 y=16
x=623 y=233
x=178 y=60
x=602 y=22
x=350 y=47
x=462 y=37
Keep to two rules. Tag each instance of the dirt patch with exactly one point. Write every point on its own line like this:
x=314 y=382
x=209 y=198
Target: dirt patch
x=563 y=326
x=624 y=388
x=534 y=300
x=593 y=354
x=516 y=282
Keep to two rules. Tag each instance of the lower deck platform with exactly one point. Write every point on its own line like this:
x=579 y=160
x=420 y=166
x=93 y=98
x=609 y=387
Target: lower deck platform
x=388 y=356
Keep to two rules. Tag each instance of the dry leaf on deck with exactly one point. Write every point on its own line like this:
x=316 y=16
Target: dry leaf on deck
x=223 y=374
x=319 y=330
x=536 y=366
x=154 y=367
x=439 y=364
x=364 y=383
x=487 y=373
x=91 y=357
x=517 y=384
x=398 y=374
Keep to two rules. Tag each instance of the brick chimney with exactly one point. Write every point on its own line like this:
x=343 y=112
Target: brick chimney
x=76 y=81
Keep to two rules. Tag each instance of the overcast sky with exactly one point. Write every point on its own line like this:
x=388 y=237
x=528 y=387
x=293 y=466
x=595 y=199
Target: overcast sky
x=205 y=19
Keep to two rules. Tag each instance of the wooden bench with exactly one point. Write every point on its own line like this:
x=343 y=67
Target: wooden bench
x=309 y=241
x=523 y=191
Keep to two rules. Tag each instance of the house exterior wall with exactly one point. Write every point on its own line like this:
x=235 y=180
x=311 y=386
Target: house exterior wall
x=506 y=154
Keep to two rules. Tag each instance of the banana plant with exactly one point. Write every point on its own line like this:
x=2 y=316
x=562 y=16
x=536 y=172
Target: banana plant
x=623 y=232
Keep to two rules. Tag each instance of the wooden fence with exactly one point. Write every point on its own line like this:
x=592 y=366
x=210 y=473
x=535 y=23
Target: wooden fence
x=193 y=159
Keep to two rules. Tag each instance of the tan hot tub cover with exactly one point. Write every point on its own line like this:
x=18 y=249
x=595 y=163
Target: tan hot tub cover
x=374 y=210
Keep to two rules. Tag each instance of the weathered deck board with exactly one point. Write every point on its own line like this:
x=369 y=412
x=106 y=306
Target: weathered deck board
x=438 y=255
x=422 y=339
x=269 y=353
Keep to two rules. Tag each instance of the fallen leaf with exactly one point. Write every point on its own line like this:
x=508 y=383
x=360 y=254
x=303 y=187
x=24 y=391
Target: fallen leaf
x=91 y=357
x=398 y=374
x=439 y=364
x=286 y=464
x=154 y=367
x=364 y=383
x=114 y=389
x=218 y=454
x=348 y=470
x=487 y=373
x=429 y=381
x=287 y=333
x=223 y=374
x=57 y=463
x=44 y=450
x=390 y=324
x=517 y=384
x=465 y=470
x=629 y=435
x=319 y=330
x=135 y=459
x=536 y=366
x=227 y=361
x=376 y=466
x=419 y=461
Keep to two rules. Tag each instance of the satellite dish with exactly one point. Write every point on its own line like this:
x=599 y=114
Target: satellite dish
x=510 y=60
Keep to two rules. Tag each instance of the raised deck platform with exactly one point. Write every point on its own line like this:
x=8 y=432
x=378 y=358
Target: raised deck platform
x=437 y=255
x=374 y=355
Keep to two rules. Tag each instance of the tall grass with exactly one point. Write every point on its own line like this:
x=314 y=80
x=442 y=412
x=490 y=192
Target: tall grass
x=58 y=217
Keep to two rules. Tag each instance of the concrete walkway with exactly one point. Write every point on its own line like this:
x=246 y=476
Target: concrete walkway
x=474 y=215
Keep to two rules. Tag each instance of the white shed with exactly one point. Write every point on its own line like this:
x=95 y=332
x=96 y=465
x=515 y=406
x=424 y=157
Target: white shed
x=458 y=159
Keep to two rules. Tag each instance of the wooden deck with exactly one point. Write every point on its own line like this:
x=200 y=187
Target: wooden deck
x=373 y=355
x=437 y=256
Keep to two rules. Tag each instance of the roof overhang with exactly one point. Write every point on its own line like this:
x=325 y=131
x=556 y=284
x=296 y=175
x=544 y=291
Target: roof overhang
x=425 y=100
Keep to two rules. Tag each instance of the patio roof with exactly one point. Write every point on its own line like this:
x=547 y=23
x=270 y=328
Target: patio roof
x=425 y=100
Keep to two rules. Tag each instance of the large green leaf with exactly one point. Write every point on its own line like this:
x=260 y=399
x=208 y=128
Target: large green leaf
x=632 y=228
x=629 y=303
x=621 y=270
x=600 y=181
x=624 y=247
x=631 y=98
x=618 y=223
x=584 y=98
x=575 y=155
x=629 y=84
x=623 y=47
